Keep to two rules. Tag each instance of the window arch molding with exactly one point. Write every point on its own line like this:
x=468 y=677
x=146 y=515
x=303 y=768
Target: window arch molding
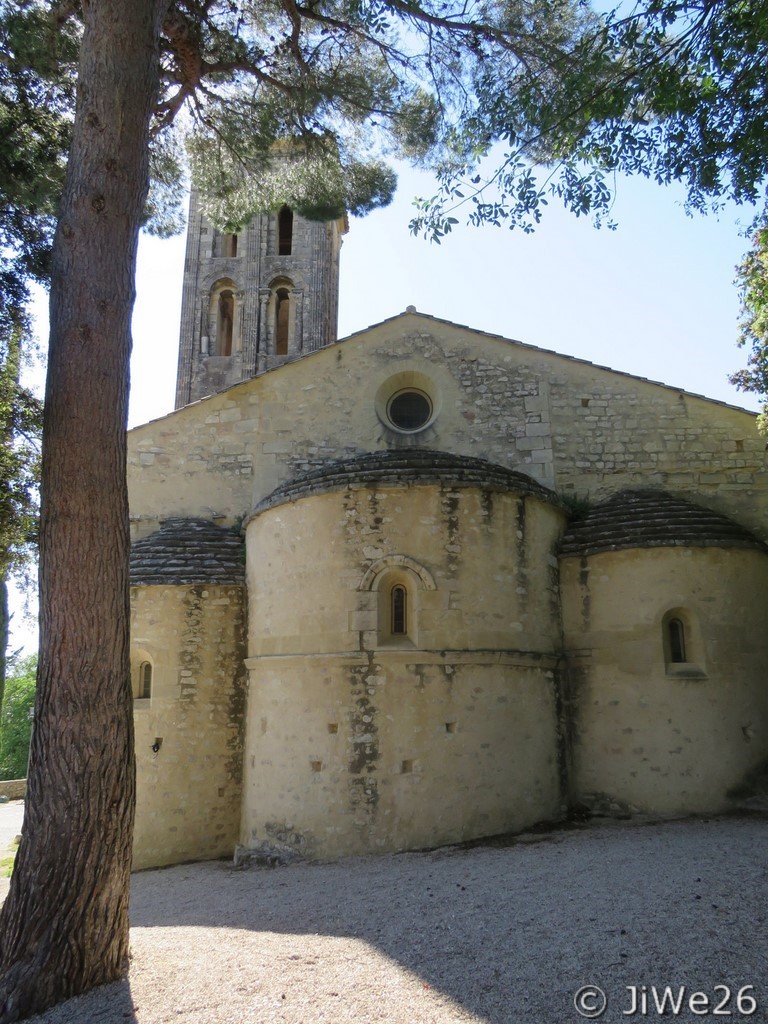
x=374 y=571
x=394 y=584
x=215 y=279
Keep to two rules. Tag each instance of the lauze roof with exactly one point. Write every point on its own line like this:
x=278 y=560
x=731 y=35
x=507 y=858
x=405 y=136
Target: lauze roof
x=640 y=519
x=188 y=551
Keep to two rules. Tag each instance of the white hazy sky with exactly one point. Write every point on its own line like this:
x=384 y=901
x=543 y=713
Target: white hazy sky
x=653 y=298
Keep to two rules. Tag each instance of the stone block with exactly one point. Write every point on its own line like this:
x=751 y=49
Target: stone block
x=278 y=447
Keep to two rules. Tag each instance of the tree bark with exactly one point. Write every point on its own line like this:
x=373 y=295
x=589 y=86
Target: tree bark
x=64 y=926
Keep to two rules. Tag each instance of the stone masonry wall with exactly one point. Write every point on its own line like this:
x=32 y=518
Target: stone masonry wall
x=612 y=432
x=575 y=427
x=188 y=789
x=369 y=755
x=648 y=733
x=360 y=740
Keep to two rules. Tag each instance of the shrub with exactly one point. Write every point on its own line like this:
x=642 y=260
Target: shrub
x=16 y=717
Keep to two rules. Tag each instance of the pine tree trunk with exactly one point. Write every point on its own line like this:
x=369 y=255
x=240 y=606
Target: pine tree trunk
x=64 y=926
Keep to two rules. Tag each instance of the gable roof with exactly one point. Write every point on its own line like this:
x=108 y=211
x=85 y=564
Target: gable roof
x=411 y=312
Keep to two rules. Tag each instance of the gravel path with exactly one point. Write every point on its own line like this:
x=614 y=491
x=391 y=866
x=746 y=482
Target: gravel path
x=11 y=817
x=495 y=933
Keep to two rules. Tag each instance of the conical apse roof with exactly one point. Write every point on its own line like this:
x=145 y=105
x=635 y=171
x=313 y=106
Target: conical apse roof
x=640 y=519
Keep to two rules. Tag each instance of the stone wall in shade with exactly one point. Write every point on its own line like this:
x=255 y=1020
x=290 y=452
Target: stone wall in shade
x=189 y=731
x=649 y=733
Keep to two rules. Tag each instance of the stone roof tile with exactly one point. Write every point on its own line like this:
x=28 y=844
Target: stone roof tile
x=188 y=551
x=642 y=519
x=405 y=468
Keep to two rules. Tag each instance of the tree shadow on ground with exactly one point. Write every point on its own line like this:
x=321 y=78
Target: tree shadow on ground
x=110 y=1004
x=489 y=933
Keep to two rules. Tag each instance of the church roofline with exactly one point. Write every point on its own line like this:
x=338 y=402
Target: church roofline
x=411 y=311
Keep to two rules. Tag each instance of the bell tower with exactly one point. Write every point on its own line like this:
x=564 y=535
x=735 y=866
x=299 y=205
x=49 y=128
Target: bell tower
x=254 y=299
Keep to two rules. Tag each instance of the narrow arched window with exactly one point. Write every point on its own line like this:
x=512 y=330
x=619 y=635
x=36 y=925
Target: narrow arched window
x=282 y=311
x=399 y=611
x=676 y=637
x=145 y=681
x=225 y=323
x=285 y=231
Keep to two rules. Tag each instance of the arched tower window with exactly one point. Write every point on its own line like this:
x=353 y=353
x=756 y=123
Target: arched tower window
x=285 y=231
x=220 y=336
x=225 y=323
x=282 y=321
x=399 y=610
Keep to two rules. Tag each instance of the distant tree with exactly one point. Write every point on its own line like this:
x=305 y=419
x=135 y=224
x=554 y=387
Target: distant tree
x=20 y=429
x=16 y=717
x=752 y=278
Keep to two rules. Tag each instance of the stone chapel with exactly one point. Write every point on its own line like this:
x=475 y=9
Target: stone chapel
x=426 y=584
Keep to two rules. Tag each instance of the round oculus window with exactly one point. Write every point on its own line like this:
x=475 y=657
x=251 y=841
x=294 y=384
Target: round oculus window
x=409 y=409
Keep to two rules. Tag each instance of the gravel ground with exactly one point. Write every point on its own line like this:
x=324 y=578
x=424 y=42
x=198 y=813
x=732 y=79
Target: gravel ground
x=11 y=817
x=499 y=933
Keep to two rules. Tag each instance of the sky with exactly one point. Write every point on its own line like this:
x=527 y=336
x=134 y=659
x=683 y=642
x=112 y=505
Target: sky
x=653 y=298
